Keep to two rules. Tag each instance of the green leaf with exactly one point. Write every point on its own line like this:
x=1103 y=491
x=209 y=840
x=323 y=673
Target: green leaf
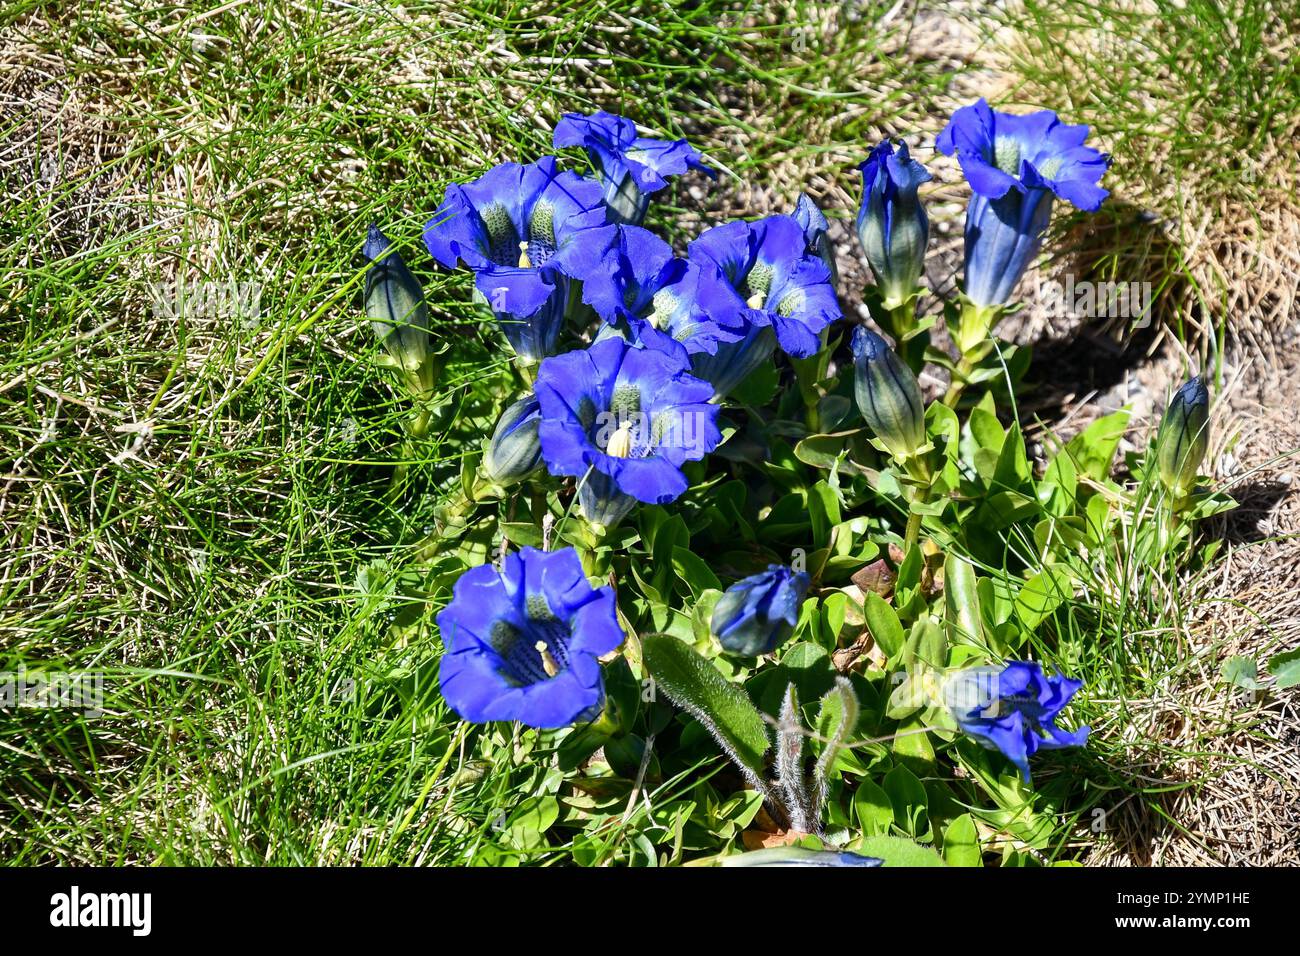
x=1242 y=672
x=532 y=818
x=884 y=625
x=695 y=571
x=695 y=685
x=897 y=851
x=1286 y=668
x=522 y=533
x=961 y=842
x=873 y=808
x=1042 y=594
x=961 y=601
x=758 y=388
x=1093 y=449
x=986 y=430
x=821 y=451
x=926 y=644
x=1013 y=464
x=669 y=536
x=823 y=512
x=910 y=803
x=912 y=746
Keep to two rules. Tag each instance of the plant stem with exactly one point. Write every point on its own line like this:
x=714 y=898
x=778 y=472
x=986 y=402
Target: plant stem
x=963 y=369
x=922 y=494
x=913 y=532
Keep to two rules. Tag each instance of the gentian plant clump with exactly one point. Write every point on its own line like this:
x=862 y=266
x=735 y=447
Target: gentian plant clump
x=715 y=519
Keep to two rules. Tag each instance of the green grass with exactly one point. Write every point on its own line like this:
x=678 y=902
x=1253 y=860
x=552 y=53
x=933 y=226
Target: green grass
x=242 y=576
x=212 y=574
x=1199 y=105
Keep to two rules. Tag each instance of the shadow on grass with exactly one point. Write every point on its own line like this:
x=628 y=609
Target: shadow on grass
x=1118 y=287
x=1256 y=502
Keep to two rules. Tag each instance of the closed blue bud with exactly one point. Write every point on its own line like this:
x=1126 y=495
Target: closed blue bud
x=1016 y=167
x=514 y=452
x=758 y=614
x=888 y=394
x=892 y=224
x=1183 y=437
x=397 y=310
x=1013 y=710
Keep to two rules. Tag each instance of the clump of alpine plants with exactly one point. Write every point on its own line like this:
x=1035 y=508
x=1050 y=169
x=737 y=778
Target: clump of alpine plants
x=684 y=415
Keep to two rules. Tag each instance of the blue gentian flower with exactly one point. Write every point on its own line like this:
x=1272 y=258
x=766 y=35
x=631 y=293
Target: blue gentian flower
x=525 y=231
x=816 y=234
x=888 y=394
x=763 y=276
x=758 y=614
x=644 y=288
x=1016 y=166
x=395 y=303
x=522 y=643
x=1014 y=709
x=631 y=166
x=514 y=451
x=892 y=224
x=1184 y=437
x=622 y=419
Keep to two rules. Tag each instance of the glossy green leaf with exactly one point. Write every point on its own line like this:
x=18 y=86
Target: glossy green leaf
x=961 y=842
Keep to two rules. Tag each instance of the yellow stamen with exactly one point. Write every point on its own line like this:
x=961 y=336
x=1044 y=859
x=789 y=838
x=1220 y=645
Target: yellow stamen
x=755 y=301
x=549 y=663
x=620 y=443
x=524 y=261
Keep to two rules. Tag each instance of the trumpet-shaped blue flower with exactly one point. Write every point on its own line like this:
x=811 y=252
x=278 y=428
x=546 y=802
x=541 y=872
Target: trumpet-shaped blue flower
x=757 y=614
x=631 y=166
x=525 y=231
x=765 y=277
x=1014 y=709
x=522 y=643
x=625 y=418
x=892 y=224
x=1016 y=166
x=644 y=288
